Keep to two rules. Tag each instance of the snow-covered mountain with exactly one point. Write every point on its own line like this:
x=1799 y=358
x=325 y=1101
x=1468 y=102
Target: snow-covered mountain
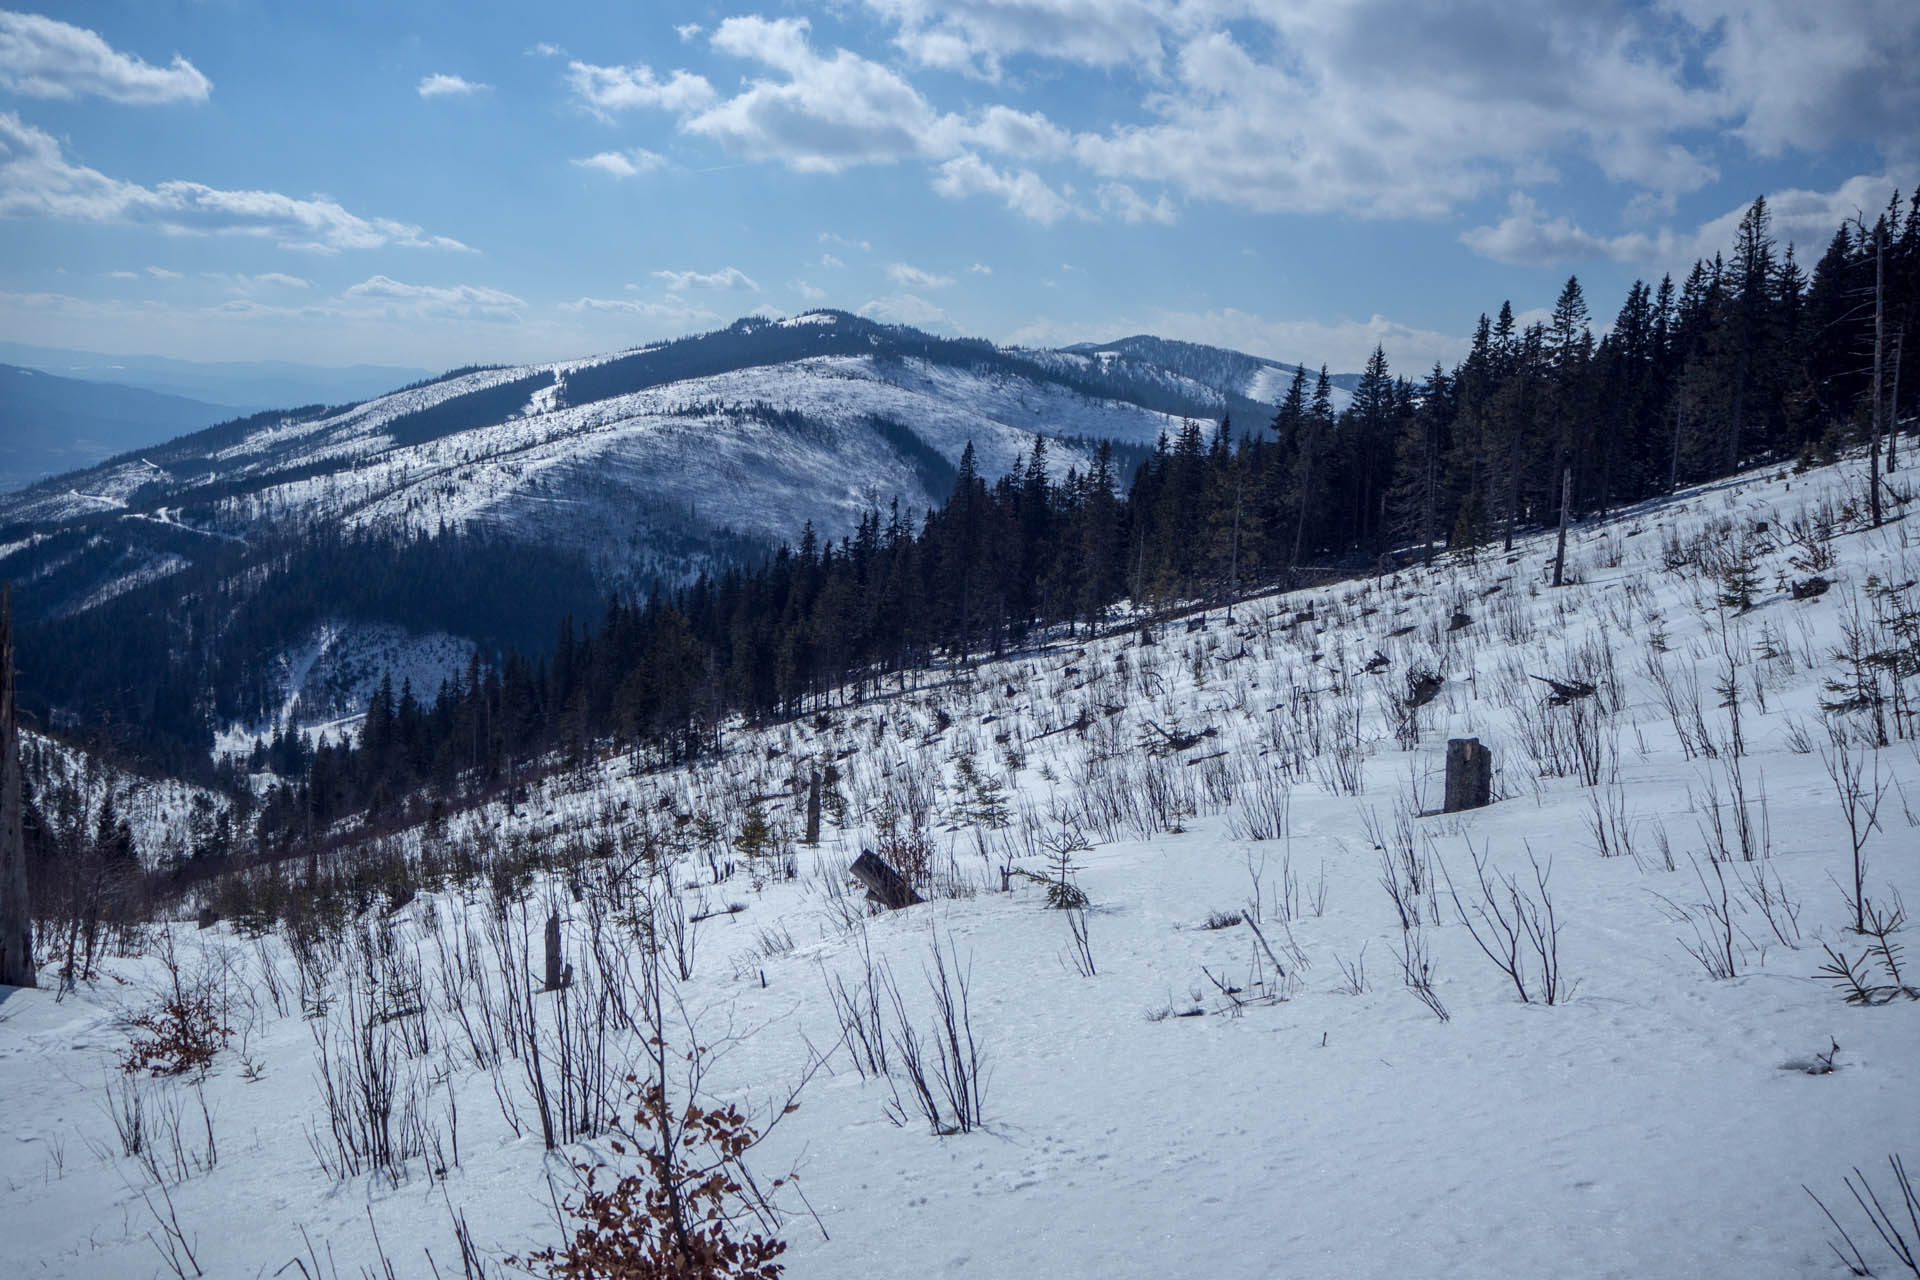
x=638 y=466
x=756 y=429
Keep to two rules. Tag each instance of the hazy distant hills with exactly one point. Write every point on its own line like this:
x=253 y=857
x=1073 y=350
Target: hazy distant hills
x=50 y=424
x=63 y=410
x=241 y=385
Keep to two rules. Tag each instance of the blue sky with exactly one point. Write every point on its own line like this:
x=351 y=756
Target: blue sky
x=434 y=184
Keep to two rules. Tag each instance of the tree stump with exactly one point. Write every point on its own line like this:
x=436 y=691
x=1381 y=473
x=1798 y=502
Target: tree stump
x=884 y=885
x=556 y=977
x=813 y=809
x=1469 y=775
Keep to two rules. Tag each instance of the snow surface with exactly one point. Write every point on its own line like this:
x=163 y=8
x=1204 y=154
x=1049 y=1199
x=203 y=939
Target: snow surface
x=1654 y=1121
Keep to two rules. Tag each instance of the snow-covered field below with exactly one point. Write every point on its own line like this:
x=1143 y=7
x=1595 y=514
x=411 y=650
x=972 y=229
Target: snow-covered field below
x=1273 y=1043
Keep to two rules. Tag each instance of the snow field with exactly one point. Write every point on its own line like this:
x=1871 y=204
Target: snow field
x=1654 y=1120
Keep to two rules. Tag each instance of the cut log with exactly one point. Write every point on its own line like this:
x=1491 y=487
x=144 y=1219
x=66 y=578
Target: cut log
x=1423 y=686
x=1565 y=691
x=1469 y=775
x=884 y=885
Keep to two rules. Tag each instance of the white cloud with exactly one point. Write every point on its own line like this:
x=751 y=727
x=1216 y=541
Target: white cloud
x=829 y=112
x=41 y=57
x=1026 y=134
x=1024 y=192
x=980 y=269
x=123 y=275
x=162 y=273
x=1386 y=109
x=810 y=292
x=1809 y=218
x=974 y=36
x=911 y=277
x=270 y=279
x=1805 y=75
x=828 y=237
x=37 y=181
x=815 y=111
x=727 y=278
x=459 y=300
x=1371 y=108
x=829 y=261
x=1526 y=236
x=1123 y=202
x=544 y=49
x=609 y=89
x=906 y=308
x=688 y=31
x=676 y=310
x=624 y=164
x=445 y=86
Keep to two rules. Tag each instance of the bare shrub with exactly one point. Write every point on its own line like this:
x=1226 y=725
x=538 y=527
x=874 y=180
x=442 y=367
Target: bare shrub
x=1517 y=929
x=184 y=1029
x=1898 y=1228
x=690 y=1211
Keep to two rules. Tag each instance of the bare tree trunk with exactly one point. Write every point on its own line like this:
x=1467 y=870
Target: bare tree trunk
x=16 y=921
x=1679 y=424
x=1879 y=383
x=1893 y=424
x=1560 y=549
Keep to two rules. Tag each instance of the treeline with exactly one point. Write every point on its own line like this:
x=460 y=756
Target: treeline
x=155 y=670
x=1749 y=360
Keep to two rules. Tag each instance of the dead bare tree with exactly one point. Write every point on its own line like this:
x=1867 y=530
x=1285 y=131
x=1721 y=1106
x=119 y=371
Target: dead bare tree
x=16 y=923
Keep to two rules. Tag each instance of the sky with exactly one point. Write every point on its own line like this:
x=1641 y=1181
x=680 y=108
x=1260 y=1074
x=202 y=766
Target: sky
x=436 y=184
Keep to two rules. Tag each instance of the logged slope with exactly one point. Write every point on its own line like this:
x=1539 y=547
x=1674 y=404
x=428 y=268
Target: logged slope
x=1183 y=1095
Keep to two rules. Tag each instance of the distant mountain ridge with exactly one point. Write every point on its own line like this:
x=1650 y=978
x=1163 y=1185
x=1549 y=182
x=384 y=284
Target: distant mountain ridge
x=241 y=386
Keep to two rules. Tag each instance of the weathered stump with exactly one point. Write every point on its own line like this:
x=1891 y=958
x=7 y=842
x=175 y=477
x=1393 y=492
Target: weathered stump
x=884 y=885
x=1469 y=775
x=556 y=977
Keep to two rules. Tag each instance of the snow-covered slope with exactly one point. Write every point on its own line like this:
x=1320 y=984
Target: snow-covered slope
x=1278 y=1048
